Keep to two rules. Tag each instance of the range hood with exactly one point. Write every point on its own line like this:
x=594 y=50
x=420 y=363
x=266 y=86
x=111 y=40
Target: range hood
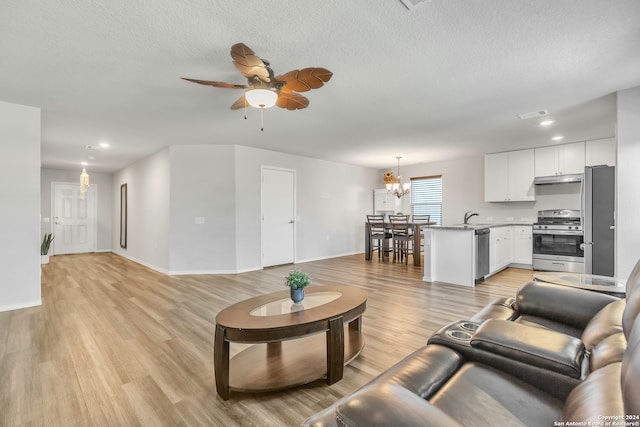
x=558 y=179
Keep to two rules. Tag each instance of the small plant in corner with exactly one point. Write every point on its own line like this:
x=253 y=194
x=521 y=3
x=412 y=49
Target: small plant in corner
x=46 y=244
x=297 y=280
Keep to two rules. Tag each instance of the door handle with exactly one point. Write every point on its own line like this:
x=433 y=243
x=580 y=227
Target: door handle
x=613 y=227
x=291 y=222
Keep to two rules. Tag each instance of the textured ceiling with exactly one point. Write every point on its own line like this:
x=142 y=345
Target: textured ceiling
x=445 y=80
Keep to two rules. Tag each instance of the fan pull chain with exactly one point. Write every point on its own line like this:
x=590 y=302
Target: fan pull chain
x=245 y=108
x=262 y=120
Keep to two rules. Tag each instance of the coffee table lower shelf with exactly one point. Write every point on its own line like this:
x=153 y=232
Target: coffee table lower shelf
x=280 y=365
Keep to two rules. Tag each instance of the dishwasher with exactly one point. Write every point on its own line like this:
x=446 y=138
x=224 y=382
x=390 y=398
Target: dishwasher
x=482 y=253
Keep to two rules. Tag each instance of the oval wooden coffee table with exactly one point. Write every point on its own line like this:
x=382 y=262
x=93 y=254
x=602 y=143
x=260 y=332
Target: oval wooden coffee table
x=289 y=347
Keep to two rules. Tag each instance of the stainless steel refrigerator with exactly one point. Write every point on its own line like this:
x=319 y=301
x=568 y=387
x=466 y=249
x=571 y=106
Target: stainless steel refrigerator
x=598 y=211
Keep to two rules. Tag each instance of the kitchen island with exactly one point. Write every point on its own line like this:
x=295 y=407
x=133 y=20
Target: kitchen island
x=450 y=251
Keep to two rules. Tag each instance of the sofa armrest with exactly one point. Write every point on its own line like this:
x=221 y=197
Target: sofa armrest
x=384 y=404
x=501 y=308
x=539 y=347
x=568 y=305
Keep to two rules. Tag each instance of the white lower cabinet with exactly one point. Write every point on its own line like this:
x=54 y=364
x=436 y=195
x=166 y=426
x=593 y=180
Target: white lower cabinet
x=522 y=245
x=500 y=248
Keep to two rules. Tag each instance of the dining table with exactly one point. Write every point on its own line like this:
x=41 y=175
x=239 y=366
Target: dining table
x=415 y=231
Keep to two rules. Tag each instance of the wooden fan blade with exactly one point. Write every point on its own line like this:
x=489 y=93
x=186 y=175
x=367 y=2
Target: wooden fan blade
x=216 y=84
x=292 y=101
x=248 y=63
x=240 y=103
x=305 y=79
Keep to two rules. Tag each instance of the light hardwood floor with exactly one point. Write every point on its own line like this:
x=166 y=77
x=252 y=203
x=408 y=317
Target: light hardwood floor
x=115 y=343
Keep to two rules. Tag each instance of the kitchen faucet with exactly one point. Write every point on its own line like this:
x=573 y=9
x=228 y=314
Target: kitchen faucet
x=468 y=215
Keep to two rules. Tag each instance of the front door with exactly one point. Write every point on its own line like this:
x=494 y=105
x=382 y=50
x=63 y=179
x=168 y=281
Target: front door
x=74 y=219
x=278 y=216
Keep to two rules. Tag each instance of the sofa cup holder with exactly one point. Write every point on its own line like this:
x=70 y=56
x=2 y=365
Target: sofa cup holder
x=460 y=335
x=469 y=326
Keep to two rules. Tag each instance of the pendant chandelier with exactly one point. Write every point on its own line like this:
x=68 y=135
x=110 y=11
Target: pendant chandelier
x=84 y=183
x=395 y=185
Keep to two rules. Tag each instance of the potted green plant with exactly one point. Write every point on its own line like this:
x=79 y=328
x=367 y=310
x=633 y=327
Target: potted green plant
x=297 y=281
x=44 y=248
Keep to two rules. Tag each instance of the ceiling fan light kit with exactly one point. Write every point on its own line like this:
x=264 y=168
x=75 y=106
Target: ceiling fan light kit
x=261 y=98
x=263 y=88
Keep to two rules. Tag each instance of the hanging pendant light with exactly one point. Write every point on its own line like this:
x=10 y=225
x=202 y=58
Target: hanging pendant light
x=84 y=183
x=396 y=187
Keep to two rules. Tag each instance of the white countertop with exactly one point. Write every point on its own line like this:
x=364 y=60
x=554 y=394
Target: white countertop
x=464 y=227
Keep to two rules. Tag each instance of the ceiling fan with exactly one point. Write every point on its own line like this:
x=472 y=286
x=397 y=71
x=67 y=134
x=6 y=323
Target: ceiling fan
x=261 y=82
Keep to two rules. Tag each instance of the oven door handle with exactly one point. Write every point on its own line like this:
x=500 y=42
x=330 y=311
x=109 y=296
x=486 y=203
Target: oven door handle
x=559 y=232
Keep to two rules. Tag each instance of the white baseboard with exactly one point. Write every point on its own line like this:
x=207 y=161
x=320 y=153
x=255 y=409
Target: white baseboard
x=185 y=272
x=244 y=270
x=20 y=306
x=298 y=261
x=146 y=264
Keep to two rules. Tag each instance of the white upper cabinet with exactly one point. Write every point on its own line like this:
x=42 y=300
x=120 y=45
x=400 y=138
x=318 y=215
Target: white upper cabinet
x=601 y=152
x=560 y=159
x=496 y=174
x=521 y=174
x=383 y=201
x=508 y=177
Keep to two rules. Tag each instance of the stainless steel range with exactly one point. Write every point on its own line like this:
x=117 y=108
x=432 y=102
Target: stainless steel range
x=558 y=241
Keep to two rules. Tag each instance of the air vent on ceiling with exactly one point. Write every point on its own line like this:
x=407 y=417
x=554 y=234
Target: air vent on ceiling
x=412 y=4
x=533 y=114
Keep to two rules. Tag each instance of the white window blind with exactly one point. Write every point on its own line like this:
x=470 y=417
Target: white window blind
x=426 y=197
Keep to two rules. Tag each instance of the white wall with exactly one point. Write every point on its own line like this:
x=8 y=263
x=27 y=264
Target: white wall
x=19 y=216
x=332 y=200
x=221 y=184
x=628 y=181
x=103 y=183
x=148 y=186
x=463 y=190
x=203 y=188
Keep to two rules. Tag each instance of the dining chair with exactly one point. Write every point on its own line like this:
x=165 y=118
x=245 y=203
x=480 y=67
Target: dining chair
x=401 y=238
x=378 y=236
x=420 y=218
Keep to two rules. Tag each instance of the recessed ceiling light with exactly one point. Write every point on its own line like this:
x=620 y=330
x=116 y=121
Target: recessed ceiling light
x=84 y=163
x=104 y=145
x=546 y=122
x=533 y=114
x=557 y=138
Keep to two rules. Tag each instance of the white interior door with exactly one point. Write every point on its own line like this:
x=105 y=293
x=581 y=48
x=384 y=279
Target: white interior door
x=74 y=219
x=278 y=216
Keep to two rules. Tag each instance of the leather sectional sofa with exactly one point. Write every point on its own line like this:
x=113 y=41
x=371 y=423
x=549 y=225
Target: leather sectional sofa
x=551 y=356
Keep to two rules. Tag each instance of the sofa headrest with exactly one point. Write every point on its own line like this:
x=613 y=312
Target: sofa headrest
x=630 y=313
x=633 y=282
x=631 y=371
x=564 y=304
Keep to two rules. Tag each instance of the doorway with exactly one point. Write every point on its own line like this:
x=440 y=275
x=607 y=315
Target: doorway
x=74 y=219
x=278 y=216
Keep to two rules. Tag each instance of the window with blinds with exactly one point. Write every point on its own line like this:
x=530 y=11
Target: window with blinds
x=426 y=197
